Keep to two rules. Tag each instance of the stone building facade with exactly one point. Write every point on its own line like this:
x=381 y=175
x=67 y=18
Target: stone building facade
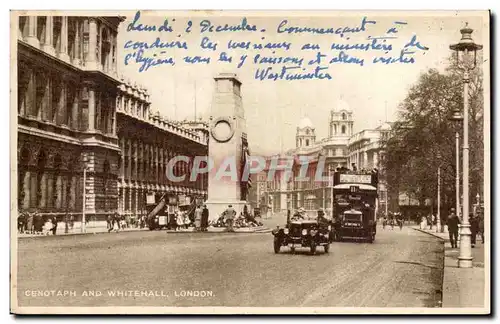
x=74 y=114
x=66 y=93
x=147 y=143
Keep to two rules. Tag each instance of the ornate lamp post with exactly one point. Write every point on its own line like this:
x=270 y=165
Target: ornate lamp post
x=457 y=118
x=467 y=63
x=438 y=217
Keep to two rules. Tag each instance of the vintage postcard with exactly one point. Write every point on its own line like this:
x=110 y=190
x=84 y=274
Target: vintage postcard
x=250 y=162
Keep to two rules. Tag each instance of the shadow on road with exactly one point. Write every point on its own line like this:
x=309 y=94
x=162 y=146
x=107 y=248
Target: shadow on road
x=417 y=263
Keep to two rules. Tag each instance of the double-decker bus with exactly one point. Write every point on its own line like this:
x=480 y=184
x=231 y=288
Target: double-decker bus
x=355 y=204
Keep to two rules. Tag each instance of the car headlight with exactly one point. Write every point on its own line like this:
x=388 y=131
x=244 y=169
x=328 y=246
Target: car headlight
x=313 y=232
x=304 y=232
x=286 y=231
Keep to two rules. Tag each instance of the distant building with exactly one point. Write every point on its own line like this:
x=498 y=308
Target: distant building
x=285 y=192
x=147 y=143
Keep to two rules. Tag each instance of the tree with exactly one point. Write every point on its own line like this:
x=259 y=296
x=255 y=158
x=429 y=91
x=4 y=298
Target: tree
x=423 y=138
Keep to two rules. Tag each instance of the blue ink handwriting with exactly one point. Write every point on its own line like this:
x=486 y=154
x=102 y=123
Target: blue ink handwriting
x=283 y=28
x=206 y=26
x=286 y=74
x=414 y=43
x=207 y=44
x=147 y=62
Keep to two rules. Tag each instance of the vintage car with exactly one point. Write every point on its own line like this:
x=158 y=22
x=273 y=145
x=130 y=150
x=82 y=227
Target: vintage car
x=303 y=233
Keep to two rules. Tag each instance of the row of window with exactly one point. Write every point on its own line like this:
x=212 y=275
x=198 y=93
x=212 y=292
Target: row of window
x=55 y=101
x=73 y=32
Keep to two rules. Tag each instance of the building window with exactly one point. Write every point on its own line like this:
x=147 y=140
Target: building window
x=335 y=129
x=343 y=129
x=23 y=26
x=40 y=26
x=56 y=36
x=344 y=117
x=307 y=142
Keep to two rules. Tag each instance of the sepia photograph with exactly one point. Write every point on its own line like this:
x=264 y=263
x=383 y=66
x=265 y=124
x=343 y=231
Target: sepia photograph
x=250 y=162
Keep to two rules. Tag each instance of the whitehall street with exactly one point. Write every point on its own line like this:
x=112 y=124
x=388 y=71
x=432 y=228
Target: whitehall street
x=400 y=269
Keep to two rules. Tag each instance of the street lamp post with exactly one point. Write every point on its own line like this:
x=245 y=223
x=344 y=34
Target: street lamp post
x=463 y=49
x=438 y=220
x=458 y=118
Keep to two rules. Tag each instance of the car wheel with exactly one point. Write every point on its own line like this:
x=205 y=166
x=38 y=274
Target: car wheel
x=313 y=248
x=277 y=246
x=327 y=248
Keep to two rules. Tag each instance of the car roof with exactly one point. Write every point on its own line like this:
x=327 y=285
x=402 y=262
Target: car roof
x=305 y=221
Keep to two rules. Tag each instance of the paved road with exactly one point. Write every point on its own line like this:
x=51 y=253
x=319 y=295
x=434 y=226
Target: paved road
x=401 y=269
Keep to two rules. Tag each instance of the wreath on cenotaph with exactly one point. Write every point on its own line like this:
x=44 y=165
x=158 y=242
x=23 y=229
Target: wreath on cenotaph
x=218 y=137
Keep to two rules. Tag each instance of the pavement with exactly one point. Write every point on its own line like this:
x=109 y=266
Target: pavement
x=462 y=287
x=402 y=268
x=103 y=229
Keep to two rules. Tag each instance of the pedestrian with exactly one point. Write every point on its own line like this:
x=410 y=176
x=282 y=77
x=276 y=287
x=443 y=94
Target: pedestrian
x=47 y=226
x=116 y=222
x=21 y=223
x=230 y=213
x=481 y=227
x=197 y=218
x=288 y=215
x=186 y=220
x=38 y=223
x=29 y=223
x=474 y=228
x=204 y=218
x=453 y=222
x=54 y=225
x=179 y=220
x=109 y=223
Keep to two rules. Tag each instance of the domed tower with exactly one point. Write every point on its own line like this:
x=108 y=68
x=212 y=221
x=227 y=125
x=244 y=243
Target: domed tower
x=341 y=122
x=306 y=135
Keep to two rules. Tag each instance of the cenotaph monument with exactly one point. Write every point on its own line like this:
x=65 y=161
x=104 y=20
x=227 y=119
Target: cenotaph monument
x=227 y=146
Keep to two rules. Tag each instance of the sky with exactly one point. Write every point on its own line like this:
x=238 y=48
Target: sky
x=273 y=109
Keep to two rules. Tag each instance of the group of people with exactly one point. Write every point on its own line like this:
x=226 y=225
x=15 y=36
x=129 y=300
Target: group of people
x=476 y=227
x=201 y=218
x=427 y=221
x=230 y=219
x=393 y=219
x=34 y=223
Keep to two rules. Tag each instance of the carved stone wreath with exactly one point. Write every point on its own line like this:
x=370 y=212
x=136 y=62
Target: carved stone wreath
x=218 y=127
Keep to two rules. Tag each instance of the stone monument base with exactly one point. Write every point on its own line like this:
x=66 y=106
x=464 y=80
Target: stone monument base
x=217 y=207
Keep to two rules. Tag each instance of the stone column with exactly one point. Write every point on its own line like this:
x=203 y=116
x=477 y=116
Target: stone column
x=122 y=166
x=92 y=109
x=129 y=154
x=375 y=159
x=48 y=44
x=124 y=191
x=62 y=113
x=156 y=157
x=365 y=160
x=136 y=168
x=63 y=49
x=136 y=202
x=26 y=190
x=32 y=38
x=90 y=59
x=77 y=44
x=74 y=112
